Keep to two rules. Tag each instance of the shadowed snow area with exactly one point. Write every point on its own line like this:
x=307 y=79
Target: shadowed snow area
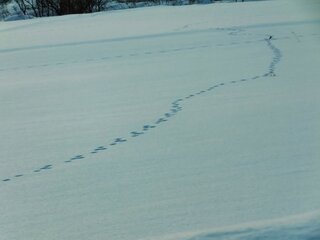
x=191 y=122
x=302 y=227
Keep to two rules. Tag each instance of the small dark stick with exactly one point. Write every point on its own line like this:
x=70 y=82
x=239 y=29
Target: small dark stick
x=270 y=37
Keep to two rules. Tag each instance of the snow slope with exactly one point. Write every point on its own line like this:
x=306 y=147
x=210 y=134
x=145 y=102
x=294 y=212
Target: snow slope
x=162 y=123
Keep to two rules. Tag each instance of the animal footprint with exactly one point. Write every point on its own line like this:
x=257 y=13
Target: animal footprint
x=211 y=88
x=175 y=105
x=201 y=92
x=101 y=148
x=78 y=157
x=120 y=140
x=147 y=127
x=46 y=167
x=266 y=75
x=96 y=150
x=190 y=96
x=160 y=120
x=136 y=134
x=272 y=74
x=175 y=110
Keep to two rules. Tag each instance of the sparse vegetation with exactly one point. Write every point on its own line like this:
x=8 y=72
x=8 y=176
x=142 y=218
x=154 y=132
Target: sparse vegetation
x=40 y=8
x=44 y=8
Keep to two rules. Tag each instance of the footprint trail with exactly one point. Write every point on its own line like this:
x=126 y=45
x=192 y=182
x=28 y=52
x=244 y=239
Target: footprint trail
x=174 y=109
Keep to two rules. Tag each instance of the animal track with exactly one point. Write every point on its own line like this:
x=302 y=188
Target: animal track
x=101 y=148
x=277 y=55
x=147 y=127
x=135 y=134
x=78 y=157
x=46 y=167
x=160 y=120
x=174 y=109
x=120 y=140
x=164 y=51
x=117 y=141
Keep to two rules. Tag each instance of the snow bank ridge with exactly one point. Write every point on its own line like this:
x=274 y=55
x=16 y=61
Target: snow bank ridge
x=304 y=227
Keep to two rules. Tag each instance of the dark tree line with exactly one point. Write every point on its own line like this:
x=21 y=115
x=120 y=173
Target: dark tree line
x=3 y=9
x=41 y=8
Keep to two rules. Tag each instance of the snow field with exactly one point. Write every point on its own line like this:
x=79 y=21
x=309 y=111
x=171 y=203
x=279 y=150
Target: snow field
x=179 y=129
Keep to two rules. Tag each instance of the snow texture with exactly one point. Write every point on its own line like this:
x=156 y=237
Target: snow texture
x=190 y=122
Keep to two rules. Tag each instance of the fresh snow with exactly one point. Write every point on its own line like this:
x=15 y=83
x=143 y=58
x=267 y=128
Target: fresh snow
x=162 y=123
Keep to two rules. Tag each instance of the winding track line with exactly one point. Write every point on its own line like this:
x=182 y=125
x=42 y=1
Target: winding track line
x=234 y=29
x=175 y=107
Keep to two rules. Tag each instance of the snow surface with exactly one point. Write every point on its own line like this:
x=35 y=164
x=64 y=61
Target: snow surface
x=162 y=123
